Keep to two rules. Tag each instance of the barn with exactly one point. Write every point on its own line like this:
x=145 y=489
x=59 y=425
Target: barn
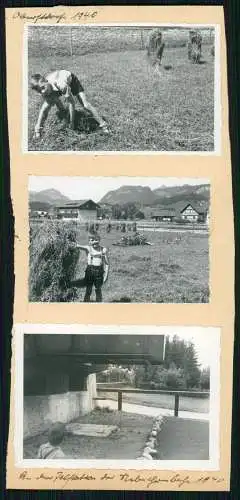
x=164 y=214
x=81 y=210
x=60 y=371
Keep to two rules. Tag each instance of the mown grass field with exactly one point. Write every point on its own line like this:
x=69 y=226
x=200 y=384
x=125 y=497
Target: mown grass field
x=170 y=111
x=175 y=269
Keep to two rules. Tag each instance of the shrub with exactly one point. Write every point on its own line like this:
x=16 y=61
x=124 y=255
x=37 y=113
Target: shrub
x=53 y=260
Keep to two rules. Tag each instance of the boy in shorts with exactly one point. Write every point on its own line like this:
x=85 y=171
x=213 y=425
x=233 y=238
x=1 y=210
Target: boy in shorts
x=96 y=272
x=54 y=85
x=51 y=449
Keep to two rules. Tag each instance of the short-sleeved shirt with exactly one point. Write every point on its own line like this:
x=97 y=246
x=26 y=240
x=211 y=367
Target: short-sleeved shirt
x=95 y=257
x=64 y=82
x=51 y=452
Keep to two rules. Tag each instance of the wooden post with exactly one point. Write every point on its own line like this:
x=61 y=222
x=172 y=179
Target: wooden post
x=142 y=41
x=176 y=405
x=71 y=45
x=119 y=400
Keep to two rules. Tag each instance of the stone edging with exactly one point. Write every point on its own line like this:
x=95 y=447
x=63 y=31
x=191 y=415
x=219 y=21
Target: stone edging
x=149 y=450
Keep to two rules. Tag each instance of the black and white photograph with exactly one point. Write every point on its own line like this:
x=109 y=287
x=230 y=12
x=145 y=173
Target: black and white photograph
x=130 y=395
x=122 y=88
x=119 y=239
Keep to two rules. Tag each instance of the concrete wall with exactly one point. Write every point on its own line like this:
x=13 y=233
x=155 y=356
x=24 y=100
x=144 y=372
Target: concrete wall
x=41 y=411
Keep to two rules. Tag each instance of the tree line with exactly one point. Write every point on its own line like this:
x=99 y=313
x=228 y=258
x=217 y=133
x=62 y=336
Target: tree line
x=179 y=371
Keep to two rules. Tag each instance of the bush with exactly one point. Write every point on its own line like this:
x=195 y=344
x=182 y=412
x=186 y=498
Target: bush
x=53 y=261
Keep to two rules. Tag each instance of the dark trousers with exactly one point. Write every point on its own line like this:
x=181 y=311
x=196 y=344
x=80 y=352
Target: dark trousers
x=93 y=276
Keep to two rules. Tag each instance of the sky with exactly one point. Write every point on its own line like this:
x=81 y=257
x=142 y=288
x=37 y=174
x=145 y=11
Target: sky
x=77 y=188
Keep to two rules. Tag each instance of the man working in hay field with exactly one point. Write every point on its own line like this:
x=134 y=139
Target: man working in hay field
x=97 y=269
x=61 y=83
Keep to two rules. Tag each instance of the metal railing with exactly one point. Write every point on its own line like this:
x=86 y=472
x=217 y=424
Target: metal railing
x=176 y=394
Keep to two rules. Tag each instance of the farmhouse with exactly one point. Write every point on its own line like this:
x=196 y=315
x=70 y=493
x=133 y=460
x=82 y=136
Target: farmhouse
x=189 y=213
x=180 y=211
x=37 y=214
x=82 y=210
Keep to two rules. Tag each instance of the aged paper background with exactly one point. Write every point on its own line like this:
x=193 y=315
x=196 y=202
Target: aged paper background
x=217 y=168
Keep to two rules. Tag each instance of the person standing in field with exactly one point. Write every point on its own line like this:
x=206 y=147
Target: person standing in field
x=51 y=449
x=97 y=269
x=61 y=83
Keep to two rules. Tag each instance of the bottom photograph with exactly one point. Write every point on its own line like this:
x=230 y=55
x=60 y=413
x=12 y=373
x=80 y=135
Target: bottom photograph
x=111 y=395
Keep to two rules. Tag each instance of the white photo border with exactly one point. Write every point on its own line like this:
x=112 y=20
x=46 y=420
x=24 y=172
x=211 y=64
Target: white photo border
x=217 y=93
x=176 y=465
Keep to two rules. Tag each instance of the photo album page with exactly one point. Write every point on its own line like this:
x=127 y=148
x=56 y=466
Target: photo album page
x=121 y=187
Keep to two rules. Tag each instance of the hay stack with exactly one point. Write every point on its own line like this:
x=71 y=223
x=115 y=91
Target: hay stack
x=53 y=260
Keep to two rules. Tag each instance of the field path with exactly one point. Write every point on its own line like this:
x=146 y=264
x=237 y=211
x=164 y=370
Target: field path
x=151 y=411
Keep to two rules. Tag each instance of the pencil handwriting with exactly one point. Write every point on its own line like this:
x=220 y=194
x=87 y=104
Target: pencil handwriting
x=54 y=17
x=65 y=478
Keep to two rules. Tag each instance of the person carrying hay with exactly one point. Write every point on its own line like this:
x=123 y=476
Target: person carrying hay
x=54 y=85
x=51 y=449
x=97 y=269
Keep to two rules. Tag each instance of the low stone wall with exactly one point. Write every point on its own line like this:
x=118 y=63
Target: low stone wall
x=41 y=411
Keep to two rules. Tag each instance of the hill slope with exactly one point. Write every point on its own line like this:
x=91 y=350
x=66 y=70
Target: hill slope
x=50 y=196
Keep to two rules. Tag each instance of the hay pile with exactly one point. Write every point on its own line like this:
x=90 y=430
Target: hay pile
x=135 y=240
x=53 y=260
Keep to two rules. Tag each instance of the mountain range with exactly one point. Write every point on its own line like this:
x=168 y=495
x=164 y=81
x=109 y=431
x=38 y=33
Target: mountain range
x=140 y=195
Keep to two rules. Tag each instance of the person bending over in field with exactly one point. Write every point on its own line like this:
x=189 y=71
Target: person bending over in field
x=96 y=272
x=51 y=449
x=61 y=83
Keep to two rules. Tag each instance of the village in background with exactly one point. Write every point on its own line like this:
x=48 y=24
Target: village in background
x=169 y=205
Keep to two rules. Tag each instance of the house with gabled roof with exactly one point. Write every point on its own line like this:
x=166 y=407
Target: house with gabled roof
x=80 y=210
x=185 y=211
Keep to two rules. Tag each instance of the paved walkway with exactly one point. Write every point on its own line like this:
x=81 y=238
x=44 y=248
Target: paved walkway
x=150 y=411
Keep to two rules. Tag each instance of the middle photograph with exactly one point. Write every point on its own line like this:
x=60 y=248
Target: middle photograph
x=119 y=239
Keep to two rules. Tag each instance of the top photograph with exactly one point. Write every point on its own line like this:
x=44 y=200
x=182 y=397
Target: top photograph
x=121 y=89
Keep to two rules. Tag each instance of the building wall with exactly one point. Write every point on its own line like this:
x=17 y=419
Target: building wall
x=190 y=214
x=87 y=215
x=80 y=215
x=40 y=411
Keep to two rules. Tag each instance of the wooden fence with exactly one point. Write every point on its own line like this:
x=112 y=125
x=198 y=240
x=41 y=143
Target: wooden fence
x=176 y=394
x=80 y=40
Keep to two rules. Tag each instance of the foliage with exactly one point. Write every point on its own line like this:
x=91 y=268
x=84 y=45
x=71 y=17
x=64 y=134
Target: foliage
x=205 y=379
x=180 y=369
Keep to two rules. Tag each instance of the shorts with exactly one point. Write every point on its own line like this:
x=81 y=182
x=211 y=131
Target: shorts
x=75 y=85
x=94 y=276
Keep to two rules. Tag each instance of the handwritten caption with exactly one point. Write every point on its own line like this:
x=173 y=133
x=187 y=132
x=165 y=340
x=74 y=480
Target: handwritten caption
x=66 y=478
x=55 y=17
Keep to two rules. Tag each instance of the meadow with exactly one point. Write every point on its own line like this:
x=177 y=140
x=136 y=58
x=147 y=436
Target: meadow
x=145 y=111
x=175 y=269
